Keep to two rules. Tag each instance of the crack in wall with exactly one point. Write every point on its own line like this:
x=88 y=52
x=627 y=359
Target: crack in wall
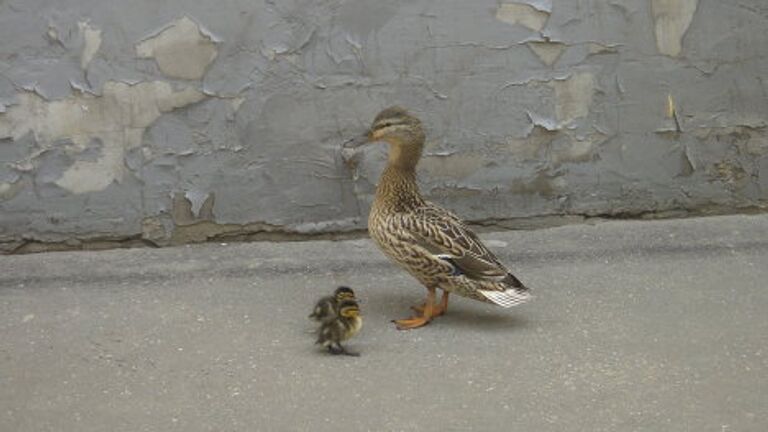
x=533 y=107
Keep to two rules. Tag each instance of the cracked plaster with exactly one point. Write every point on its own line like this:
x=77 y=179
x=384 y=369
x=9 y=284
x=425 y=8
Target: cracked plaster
x=181 y=50
x=126 y=120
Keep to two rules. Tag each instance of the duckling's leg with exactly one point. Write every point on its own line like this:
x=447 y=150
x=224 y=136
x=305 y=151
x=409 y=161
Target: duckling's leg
x=426 y=314
x=437 y=310
x=348 y=353
x=339 y=349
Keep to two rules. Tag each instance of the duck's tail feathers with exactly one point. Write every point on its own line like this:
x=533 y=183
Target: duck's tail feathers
x=509 y=297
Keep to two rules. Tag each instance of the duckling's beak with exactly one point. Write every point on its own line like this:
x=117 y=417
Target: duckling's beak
x=357 y=141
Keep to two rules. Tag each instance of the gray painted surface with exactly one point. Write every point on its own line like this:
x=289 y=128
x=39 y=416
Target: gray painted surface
x=175 y=121
x=636 y=326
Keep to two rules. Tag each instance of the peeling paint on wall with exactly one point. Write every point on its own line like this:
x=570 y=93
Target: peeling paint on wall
x=523 y=14
x=181 y=50
x=456 y=166
x=131 y=120
x=671 y=21
x=117 y=118
x=531 y=147
x=548 y=52
x=576 y=148
x=573 y=96
x=92 y=41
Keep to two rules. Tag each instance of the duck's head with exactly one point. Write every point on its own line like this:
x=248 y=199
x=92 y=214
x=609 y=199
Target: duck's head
x=395 y=126
x=344 y=293
x=349 y=309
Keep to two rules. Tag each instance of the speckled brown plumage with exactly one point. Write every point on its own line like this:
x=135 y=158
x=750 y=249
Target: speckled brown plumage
x=429 y=242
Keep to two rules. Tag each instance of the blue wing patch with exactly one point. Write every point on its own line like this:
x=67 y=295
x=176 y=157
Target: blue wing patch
x=449 y=259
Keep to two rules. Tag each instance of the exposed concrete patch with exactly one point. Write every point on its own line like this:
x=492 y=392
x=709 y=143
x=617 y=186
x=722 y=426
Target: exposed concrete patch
x=545 y=122
x=762 y=181
x=671 y=20
x=757 y=144
x=206 y=231
x=574 y=96
x=182 y=50
x=8 y=190
x=91 y=42
x=598 y=48
x=237 y=102
x=730 y=172
x=752 y=140
x=153 y=230
x=543 y=184
x=192 y=207
x=524 y=14
x=547 y=51
x=529 y=148
x=687 y=168
x=576 y=149
x=452 y=166
x=118 y=119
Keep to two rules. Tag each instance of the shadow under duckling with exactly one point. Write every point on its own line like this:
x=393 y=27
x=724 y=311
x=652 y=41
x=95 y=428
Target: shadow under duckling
x=327 y=308
x=342 y=327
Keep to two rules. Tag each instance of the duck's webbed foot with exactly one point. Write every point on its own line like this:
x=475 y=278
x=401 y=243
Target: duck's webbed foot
x=426 y=312
x=411 y=323
x=437 y=310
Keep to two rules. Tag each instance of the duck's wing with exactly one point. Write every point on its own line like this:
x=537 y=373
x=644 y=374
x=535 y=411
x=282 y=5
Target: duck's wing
x=443 y=234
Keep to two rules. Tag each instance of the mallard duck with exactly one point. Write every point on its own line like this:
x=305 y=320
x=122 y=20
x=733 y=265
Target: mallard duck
x=429 y=242
x=342 y=327
x=327 y=307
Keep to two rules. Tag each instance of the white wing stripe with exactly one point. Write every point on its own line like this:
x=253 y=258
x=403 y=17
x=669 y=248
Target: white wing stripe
x=506 y=298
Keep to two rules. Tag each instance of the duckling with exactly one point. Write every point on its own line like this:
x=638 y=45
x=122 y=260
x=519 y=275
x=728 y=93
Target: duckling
x=431 y=243
x=344 y=326
x=327 y=307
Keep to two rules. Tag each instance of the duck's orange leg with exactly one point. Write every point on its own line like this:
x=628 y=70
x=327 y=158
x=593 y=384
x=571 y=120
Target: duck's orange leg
x=437 y=310
x=425 y=316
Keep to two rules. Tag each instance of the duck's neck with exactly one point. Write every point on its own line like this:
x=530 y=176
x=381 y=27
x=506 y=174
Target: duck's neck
x=397 y=185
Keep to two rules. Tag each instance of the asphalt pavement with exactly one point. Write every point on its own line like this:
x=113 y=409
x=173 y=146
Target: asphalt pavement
x=635 y=326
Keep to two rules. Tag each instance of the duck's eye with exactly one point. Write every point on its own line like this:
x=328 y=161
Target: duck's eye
x=385 y=125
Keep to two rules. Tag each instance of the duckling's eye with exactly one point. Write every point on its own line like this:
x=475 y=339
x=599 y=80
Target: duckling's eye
x=385 y=125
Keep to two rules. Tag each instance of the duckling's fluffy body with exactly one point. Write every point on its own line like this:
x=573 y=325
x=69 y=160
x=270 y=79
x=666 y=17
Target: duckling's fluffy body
x=327 y=307
x=345 y=325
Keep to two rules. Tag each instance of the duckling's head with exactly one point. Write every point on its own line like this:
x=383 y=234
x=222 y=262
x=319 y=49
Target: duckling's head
x=349 y=309
x=395 y=126
x=343 y=293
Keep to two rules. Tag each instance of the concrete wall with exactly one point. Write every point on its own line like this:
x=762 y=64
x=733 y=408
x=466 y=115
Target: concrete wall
x=174 y=121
